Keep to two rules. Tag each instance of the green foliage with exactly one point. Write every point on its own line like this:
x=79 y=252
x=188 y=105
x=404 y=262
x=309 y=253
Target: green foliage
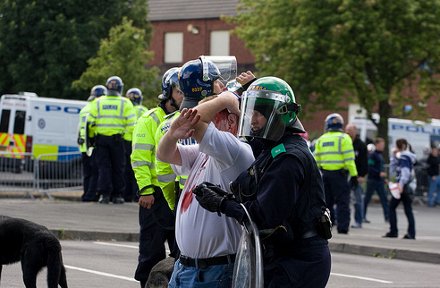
x=44 y=44
x=123 y=54
x=361 y=50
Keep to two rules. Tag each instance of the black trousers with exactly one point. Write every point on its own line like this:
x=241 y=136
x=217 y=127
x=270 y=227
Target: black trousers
x=337 y=192
x=156 y=227
x=406 y=198
x=111 y=165
x=90 y=174
x=131 y=187
x=308 y=265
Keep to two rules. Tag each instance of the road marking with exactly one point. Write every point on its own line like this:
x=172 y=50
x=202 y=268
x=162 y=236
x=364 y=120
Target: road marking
x=121 y=245
x=116 y=245
x=100 y=273
x=362 y=278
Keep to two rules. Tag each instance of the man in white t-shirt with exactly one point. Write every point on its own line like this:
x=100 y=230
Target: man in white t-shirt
x=207 y=242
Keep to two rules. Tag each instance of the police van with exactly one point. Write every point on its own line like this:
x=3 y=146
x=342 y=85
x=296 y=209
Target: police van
x=421 y=135
x=37 y=125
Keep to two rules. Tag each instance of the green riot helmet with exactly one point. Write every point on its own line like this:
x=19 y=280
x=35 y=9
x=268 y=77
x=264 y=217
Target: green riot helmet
x=273 y=99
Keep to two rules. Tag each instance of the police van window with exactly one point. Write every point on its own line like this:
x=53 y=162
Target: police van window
x=371 y=134
x=20 y=117
x=4 y=122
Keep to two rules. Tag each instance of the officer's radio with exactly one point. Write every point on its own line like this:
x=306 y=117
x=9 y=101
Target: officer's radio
x=324 y=224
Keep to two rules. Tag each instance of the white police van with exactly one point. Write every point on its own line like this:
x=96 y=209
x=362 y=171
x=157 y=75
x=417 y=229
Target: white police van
x=421 y=135
x=38 y=125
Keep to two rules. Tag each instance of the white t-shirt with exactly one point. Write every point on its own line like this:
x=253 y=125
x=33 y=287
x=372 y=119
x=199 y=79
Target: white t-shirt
x=219 y=159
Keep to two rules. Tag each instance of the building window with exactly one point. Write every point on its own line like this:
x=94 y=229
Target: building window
x=173 y=47
x=219 y=43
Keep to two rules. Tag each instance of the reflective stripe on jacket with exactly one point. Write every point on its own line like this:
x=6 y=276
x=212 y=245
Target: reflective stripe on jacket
x=165 y=175
x=140 y=110
x=82 y=126
x=143 y=158
x=334 y=151
x=111 y=115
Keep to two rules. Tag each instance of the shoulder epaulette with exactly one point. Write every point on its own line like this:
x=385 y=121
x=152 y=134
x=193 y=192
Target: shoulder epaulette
x=277 y=150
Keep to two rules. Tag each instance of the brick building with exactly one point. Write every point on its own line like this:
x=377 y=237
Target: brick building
x=185 y=29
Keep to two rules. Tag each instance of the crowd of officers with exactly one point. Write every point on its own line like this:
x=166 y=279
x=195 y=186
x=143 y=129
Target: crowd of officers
x=105 y=137
x=118 y=138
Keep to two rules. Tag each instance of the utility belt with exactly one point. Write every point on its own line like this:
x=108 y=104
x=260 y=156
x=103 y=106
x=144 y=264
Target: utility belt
x=335 y=171
x=267 y=233
x=309 y=234
x=206 y=262
x=114 y=137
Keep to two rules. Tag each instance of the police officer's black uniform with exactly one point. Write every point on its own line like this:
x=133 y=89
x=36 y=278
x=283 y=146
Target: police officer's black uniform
x=286 y=196
x=283 y=191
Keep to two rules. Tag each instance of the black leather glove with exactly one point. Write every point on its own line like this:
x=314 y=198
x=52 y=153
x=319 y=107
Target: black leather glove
x=354 y=181
x=211 y=196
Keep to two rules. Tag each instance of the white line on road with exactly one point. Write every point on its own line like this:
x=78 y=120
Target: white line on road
x=362 y=278
x=121 y=245
x=100 y=273
x=116 y=245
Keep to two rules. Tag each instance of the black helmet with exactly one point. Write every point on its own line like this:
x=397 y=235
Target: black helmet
x=114 y=83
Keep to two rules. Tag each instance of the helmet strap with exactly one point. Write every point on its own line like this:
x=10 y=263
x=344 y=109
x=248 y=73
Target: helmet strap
x=173 y=103
x=294 y=107
x=205 y=68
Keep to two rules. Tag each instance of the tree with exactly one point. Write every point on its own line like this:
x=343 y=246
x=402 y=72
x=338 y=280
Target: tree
x=364 y=50
x=44 y=45
x=123 y=53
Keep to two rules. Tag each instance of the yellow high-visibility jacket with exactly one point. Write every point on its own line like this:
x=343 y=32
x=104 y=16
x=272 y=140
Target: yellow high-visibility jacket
x=143 y=156
x=334 y=151
x=165 y=175
x=82 y=126
x=111 y=115
x=140 y=110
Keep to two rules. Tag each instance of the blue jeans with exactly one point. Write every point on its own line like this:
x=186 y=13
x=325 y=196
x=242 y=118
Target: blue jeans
x=379 y=187
x=216 y=276
x=434 y=188
x=358 y=194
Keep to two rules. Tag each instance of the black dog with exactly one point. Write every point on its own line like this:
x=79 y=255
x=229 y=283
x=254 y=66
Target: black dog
x=36 y=247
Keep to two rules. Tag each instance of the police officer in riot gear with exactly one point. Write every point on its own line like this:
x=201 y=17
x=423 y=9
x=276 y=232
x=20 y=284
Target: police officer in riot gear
x=131 y=188
x=110 y=117
x=282 y=190
x=90 y=170
x=335 y=157
x=136 y=98
x=156 y=219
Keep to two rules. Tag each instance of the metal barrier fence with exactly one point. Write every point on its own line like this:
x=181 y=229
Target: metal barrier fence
x=22 y=172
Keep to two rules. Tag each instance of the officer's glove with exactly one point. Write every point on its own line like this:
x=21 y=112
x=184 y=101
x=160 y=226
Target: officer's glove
x=211 y=196
x=354 y=181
